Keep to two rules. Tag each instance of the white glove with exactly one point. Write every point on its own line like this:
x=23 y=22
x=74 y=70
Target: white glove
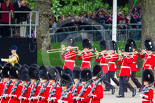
x=142 y=95
x=2 y=60
x=59 y=101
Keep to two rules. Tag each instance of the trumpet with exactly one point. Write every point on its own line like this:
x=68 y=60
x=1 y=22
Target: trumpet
x=62 y=49
x=90 y=50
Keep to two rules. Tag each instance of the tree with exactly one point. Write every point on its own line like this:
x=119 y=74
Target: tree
x=43 y=38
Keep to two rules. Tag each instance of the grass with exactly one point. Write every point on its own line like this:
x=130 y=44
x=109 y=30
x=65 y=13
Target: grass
x=55 y=58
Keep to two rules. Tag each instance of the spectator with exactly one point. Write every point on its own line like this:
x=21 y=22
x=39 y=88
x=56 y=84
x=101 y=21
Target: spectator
x=6 y=6
x=23 y=18
x=17 y=6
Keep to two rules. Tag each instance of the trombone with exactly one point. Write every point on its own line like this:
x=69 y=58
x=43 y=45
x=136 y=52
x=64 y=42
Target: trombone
x=63 y=48
x=79 y=52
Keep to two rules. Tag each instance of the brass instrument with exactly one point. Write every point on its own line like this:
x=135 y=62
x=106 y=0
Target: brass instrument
x=90 y=50
x=62 y=49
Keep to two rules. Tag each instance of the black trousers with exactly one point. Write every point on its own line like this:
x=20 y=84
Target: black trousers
x=5 y=31
x=111 y=75
x=134 y=79
x=108 y=86
x=123 y=83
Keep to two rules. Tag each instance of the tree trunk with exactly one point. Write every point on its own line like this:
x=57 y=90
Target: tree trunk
x=43 y=38
x=148 y=24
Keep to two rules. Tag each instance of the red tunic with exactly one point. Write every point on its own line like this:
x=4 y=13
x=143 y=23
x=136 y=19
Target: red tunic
x=150 y=95
x=69 y=59
x=57 y=93
x=17 y=93
x=112 y=62
x=98 y=93
x=26 y=95
x=86 y=58
x=104 y=60
x=84 y=96
x=149 y=61
x=69 y=98
x=134 y=66
x=125 y=66
x=45 y=95
x=6 y=100
x=36 y=93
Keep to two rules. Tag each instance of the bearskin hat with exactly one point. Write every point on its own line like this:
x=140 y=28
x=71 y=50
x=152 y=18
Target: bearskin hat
x=86 y=44
x=53 y=73
x=34 y=71
x=71 y=42
x=14 y=72
x=24 y=73
x=60 y=70
x=149 y=44
x=97 y=71
x=66 y=80
x=132 y=43
x=43 y=73
x=68 y=71
x=103 y=45
x=76 y=73
x=86 y=75
x=148 y=75
x=128 y=48
x=6 y=70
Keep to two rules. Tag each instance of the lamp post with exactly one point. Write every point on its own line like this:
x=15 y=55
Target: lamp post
x=114 y=21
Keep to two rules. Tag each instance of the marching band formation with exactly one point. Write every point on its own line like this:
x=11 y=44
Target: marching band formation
x=72 y=84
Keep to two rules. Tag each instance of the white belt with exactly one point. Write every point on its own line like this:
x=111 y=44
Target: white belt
x=146 y=100
x=112 y=62
x=69 y=60
x=86 y=61
x=134 y=62
x=125 y=67
x=103 y=64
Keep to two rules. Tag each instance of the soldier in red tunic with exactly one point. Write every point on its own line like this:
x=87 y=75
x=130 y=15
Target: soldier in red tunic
x=44 y=77
x=86 y=54
x=124 y=72
x=69 y=55
x=112 y=62
x=147 y=92
x=104 y=59
x=86 y=77
x=66 y=95
x=54 y=90
x=24 y=76
x=77 y=83
x=6 y=84
x=148 y=54
x=134 y=66
x=96 y=87
x=14 y=75
x=34 y=76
